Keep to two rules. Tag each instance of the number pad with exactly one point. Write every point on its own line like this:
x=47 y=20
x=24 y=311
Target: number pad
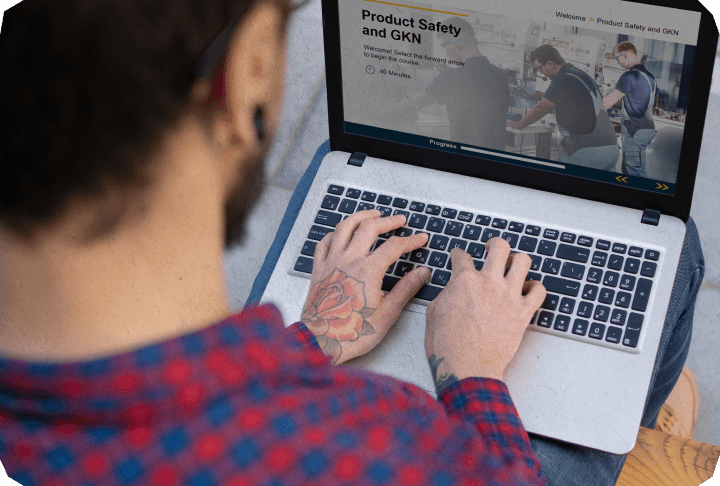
x=611 y=279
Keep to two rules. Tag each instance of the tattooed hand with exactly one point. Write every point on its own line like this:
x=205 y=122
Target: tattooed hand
x=474 y=327
x=346 y=308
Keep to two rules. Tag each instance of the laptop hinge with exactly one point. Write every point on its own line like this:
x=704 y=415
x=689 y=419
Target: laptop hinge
x=357 y=159
x=651 y=216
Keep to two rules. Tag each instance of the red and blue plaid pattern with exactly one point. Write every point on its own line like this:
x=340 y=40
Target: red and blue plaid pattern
x=246 y=402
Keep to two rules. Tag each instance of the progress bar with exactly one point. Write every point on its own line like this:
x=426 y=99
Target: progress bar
x=521 y=159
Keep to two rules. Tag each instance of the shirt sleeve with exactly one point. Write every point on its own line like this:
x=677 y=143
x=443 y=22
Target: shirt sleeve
x=623 y=84
x=553 y=91
x=307 y=339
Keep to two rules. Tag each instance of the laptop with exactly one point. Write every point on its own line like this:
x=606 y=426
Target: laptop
x=605 y=244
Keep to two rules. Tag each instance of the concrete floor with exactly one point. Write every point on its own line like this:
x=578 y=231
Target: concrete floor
x=304 y=127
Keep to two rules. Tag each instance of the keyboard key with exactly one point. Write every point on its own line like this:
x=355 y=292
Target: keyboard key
x=431 y=209
x=623 y=299
x=606 y=296
x=353 y=193
x=465 y=216
x=619 y=248
x=562 y=323
x=547 y=247
x=618 y=317
x=457 y=243
x=580 y=327
x=551 y=266
x=602 y=313
x=483 y=220
x=632 y=265
x=551 y=234
x=590 y=292
x=632 y=332
x=428 y=237
x=599 y=258
x=499 y=223
x=585 y=309
x=611 y=279
x=436 y=225
x=476 y=250
x=615 y=262
x=635 y=252
x=379 y=242
x=402 y=232
x=532 y=230
x=417 y=206
x=304 y=265
x=489 y=233
x=385 y=211
x=363 y=206
x=368 y=196
x=642 y=295
x=472 y=232
x=449 y=213
x=648 y=269
x=404 y=213
x=511 y=238
x=568 y=238
x=428 y=292
x=627 y=282
x=308 y=248
x=399 y=202
x=533 y=276
x=347 y=206
x=330 y=202
x=478 y=264
x=594 y=275
x=386 y=200
x=438 y=259
x=545 y=319
x=573 y=270
x=439 y=242
x=614 y=334
x=516 y=227
x=333 y=189
x=574 y=253
x=536 y=261
x=528 y=243
x=597 y=330
x=454 y=228
x=602 y=245
x=318 y=232
x=585 y=241
x=389 y=282
x=390 y=268
x=551 y=302
x=567 y=305
x=441 y=277
x=561 y=286
x=417 y=220
x=420 y=255
x=652 y=255
x=402 y=268
x=327 y=218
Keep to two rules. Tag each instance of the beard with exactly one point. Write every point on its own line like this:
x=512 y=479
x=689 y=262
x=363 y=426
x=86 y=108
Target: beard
x=242 y=200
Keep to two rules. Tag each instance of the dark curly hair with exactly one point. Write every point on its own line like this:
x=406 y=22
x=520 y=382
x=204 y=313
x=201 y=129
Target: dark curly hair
x=546 y=53
x=87 y=88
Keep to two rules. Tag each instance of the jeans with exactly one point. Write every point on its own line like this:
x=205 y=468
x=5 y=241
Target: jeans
x=634 y=151
x=565 y=464
x=603 y=157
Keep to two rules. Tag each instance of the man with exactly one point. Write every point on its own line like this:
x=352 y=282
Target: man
x=588 y=136
x=637 y=88
x=120 y=359
x=475 y=95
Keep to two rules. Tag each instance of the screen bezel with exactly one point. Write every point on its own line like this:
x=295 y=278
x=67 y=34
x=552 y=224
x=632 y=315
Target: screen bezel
x=674 y=205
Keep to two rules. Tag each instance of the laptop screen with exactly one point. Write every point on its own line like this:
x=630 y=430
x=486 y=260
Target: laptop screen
x=587 y=89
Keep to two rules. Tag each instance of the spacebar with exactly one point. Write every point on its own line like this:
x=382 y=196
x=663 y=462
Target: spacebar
x=561 y=285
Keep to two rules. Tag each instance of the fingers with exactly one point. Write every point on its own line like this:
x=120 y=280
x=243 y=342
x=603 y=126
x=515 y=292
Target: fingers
x=497 y=257
x=345 y=229
x=323 y=248
x=401 y=294
x=391 y=250
x=534 y=293
x=519 y=265
x=461 y=260
x=369 y=230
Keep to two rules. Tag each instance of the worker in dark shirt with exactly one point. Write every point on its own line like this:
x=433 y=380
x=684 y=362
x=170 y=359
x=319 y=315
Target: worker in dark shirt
x=475 y=95
x=588 y=136
x=636 y=88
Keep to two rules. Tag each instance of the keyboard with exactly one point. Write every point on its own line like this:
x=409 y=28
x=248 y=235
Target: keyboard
x=597 y=290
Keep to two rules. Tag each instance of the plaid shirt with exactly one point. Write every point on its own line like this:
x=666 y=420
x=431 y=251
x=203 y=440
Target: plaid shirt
x=247 y=402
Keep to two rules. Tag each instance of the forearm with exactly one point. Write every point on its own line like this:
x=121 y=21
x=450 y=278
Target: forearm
x=537 y=112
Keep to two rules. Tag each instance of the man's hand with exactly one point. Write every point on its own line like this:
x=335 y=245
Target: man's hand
x=474 y=327
x=346 y=308
x=513 y=124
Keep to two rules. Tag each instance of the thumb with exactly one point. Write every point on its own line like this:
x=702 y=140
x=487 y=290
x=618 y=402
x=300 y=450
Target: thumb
x=403 y=291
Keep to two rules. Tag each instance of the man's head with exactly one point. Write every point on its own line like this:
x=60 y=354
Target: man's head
x=462 y=47
x=626 y=54
x=548 y=60
x=94 y=90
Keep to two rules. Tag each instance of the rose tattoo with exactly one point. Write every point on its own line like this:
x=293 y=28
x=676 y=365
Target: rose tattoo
x=335 y=311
